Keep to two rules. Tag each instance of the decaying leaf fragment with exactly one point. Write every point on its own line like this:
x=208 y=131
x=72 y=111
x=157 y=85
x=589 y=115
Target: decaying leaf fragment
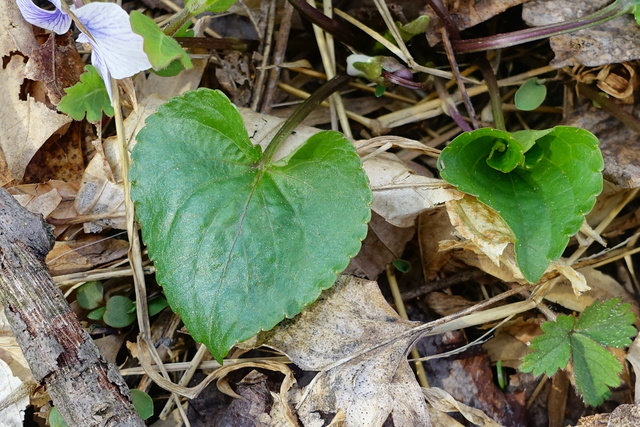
x=359 y=345
x=399 y=195
x=26 y=124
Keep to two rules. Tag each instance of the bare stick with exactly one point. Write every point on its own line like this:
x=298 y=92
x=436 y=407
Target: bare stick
x=86 y=389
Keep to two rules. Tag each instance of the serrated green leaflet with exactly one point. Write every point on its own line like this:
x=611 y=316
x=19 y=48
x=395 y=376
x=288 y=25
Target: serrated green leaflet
x=595 y=369
x=239 y=245
x=89 y=96
x=609 y=323
x=583 y=340
x=552 y=349
x=542 y=192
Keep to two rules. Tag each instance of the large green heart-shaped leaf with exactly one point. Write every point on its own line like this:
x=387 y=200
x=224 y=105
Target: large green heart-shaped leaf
x=240 y=242
x=542 y=183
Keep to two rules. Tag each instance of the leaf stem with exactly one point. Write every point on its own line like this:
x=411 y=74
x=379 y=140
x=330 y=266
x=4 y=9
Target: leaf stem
x=177 y=21
x=309 y=104
x=498 y=41
x=494 y=91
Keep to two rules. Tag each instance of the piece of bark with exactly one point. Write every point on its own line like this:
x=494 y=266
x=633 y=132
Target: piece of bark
x=86 y=389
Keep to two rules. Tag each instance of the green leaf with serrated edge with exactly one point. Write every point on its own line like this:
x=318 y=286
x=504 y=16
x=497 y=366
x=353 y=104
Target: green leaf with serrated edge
x=595 y=369
x=530 y=95
x=552 y=348
x=542 y=200
x=120 y=312
x=608 y=323
x=239 y=245
x=89 y=96
x=89 y=295
x=160 y=48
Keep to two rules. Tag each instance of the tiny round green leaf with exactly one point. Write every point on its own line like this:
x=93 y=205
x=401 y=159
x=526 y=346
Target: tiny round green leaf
x=143 y=403
x=55 y=419
x=530 y=95
x=120 y=312
x=97 y=313
x=89 y=295
x=156 y=305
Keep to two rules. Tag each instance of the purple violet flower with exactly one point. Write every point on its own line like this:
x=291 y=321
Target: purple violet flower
x=117 y=50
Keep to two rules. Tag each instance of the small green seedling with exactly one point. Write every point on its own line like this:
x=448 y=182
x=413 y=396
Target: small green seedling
x=542 y=184
x=530 y=95
x=90 y=295
x=143 y=403
x=402 y=265
x=119 y=311
x=583 y=342
x=502 y=382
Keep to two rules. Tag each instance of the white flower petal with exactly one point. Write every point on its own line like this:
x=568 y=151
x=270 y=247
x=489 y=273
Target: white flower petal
x=53 y=20
x=114 y=44
x=352 y=59
x=102 y=69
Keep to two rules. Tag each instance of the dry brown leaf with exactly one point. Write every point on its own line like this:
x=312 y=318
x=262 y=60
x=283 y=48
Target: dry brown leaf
x=84 y=254
x=444 y=402
x=603 y=287
x=383 y=244
x=434 y=226
x=511 y=341
x=159 y=87
x=482 y=225
x=399 y=195
x=615 y=41
x=100 y=196
x=61 y=157
x=445 y=304
x=26 y=124
x=57 y=64
x=469 y=378
x=16 y=35
x=486 y=239
x=467 y=13
x=38 y=198
x=359 y=345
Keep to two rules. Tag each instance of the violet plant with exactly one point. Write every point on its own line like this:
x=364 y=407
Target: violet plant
x=116 y=50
